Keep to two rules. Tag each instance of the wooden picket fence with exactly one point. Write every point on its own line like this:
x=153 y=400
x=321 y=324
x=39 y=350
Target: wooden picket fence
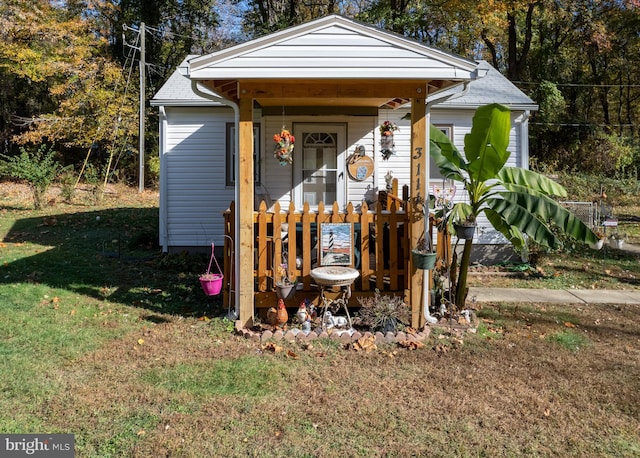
x=381 y=245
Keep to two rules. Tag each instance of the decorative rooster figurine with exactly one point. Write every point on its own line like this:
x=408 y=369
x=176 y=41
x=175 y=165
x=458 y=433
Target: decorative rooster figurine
x=303 y=314
x=278 y=318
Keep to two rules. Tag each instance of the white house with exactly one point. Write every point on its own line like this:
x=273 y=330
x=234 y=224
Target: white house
x=332 y=82
x=197 y=151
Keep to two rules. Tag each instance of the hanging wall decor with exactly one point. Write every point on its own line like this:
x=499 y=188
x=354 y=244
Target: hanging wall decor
x=359 y=165
x=387 y=147
x=283 y=150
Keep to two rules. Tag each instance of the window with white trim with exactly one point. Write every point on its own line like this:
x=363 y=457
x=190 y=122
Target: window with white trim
x=434 y=171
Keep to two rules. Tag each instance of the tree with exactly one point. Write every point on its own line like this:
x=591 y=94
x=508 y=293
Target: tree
x=85 y=97
x=517 y=202
x=266 y=16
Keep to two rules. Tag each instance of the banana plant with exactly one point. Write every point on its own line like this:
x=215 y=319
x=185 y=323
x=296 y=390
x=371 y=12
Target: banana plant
x=517 y=202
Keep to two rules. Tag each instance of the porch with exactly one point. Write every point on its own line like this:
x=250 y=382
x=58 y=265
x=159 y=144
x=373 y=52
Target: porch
x=381 y=251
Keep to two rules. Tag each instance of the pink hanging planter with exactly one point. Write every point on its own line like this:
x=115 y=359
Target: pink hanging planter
x=212 y=283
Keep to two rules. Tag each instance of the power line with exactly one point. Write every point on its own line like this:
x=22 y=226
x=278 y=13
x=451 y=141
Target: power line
x=531 y=83
x=576 y=124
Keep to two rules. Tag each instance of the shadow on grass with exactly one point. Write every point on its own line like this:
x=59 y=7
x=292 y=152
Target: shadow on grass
x=110 y=254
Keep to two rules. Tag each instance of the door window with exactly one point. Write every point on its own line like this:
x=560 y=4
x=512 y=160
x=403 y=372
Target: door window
x=320 y=174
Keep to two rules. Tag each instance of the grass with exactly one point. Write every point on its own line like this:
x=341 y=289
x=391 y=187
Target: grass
x=104 y=338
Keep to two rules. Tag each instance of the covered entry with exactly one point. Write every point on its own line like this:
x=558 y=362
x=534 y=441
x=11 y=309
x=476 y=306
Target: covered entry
x=331 y=62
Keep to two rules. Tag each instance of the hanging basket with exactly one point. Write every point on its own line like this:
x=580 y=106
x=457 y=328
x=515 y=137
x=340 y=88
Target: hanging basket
x=212 y=282
x=387 y=146
x=286 y=291
x=464 y=231
x=283 y=150
x=423 y=260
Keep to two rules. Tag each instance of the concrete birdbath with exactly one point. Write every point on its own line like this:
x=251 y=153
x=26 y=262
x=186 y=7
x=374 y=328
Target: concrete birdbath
x=328 y=277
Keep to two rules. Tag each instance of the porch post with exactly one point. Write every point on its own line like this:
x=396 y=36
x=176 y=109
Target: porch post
x=244 y=212
x=418 y=187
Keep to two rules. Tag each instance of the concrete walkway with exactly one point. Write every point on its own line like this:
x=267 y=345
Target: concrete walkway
x=567 y=296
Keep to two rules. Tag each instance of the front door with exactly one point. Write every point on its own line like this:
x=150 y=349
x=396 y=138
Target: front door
x=319 y=173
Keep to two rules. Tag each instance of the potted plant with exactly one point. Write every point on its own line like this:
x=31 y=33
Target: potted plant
x=617 y=239
x=422 y=255
x=285 y=284
x=597 y=245
x=466 y=228
x=211 y=282
x=387 y=147
x=384 y=313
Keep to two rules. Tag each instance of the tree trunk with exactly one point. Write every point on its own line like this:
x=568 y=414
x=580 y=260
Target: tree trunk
x=465 y=262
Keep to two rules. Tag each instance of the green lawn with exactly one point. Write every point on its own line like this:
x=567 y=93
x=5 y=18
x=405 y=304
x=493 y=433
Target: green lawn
x=104 y=338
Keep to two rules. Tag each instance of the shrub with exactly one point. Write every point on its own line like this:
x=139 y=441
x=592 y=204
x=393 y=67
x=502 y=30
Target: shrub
x=383 y=312
x=37 y=167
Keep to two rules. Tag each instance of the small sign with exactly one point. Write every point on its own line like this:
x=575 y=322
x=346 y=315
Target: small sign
x=37 y=445
x=610 y=223
x=360 y=167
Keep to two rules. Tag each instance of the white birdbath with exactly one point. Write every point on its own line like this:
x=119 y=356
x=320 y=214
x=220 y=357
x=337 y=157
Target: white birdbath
x=332 y=276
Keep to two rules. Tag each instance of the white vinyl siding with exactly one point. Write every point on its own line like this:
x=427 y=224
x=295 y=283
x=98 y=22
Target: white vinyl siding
x=195 y=194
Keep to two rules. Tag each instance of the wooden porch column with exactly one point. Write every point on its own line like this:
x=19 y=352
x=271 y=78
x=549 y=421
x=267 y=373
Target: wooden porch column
x=417 y=188
x=244 y=212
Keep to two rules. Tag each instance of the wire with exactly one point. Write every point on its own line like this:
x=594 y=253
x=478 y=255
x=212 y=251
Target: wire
x=531 y=83
x=575 y=124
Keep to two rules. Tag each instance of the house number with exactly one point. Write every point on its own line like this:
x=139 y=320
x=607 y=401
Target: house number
x=416 y=156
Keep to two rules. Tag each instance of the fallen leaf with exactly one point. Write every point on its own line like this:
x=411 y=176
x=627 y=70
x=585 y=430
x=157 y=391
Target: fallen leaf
x=457 y=341
x=204 y=318
x=411 y=344
x=568 y=324
x=366 y=344
x=272 y=347
x=441 y=349
x=292 y=354
x=140 y=341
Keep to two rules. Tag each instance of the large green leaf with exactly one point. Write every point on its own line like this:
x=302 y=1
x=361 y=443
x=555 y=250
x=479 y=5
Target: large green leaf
x=446 y=155
x=485 y=147
x=512 y=233
x=530 y=179
x=549 y=210
x=513 y=214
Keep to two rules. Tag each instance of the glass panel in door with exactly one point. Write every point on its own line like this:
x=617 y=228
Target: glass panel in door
x=319 y=167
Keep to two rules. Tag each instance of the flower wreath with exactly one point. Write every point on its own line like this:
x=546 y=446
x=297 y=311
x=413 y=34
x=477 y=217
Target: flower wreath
x=283 y=150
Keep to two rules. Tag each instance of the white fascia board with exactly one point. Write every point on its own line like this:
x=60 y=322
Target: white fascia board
x=356 y=73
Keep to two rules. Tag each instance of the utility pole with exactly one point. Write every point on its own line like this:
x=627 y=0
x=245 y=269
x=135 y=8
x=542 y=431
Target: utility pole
x=142 y=110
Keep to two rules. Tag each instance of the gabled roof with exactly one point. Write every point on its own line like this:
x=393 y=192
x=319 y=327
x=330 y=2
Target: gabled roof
x=332 y=47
